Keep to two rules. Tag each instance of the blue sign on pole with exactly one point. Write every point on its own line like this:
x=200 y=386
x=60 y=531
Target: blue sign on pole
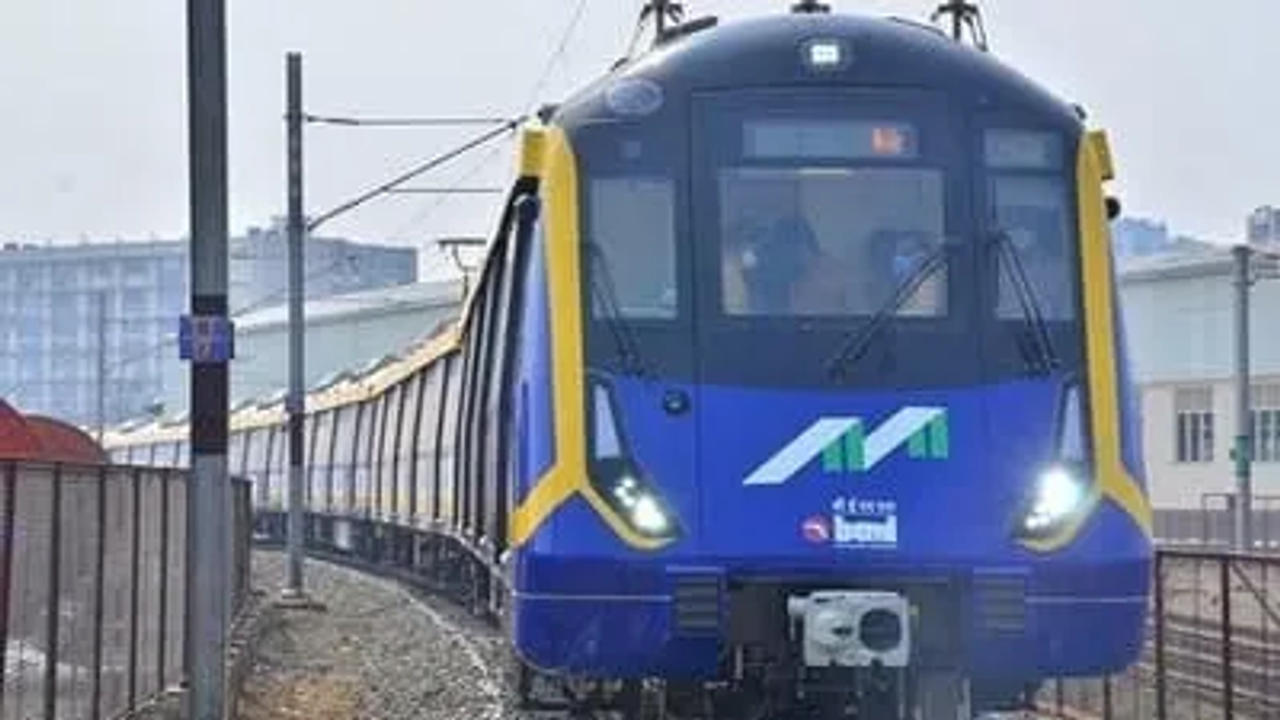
x=204 y=339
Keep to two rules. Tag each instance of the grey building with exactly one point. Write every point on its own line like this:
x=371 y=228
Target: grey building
x=50 y=297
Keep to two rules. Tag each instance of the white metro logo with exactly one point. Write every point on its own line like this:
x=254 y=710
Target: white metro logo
x=846 y=448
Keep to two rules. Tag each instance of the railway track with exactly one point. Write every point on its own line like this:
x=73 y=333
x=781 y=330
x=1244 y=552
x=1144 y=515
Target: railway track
x=1194 y=677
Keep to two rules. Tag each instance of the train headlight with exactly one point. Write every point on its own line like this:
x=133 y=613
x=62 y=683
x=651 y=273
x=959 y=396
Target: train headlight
x=643 y=509
x=1063 y=494
x=1058 y=495
x=633 y=499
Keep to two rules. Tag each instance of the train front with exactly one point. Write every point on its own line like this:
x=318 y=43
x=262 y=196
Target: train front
x=821 y=370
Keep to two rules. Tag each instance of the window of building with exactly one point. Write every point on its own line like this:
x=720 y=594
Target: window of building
x=1193 y=410
x=1266 y=423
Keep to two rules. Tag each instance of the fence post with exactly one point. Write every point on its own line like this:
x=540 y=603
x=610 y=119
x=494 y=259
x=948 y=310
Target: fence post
x=1162 y=709
x=1228 y=676
x=6 y=562
x=51 y=616
x=1106 y=698
x=99 y=576
x=134 y=558
x=162 y=629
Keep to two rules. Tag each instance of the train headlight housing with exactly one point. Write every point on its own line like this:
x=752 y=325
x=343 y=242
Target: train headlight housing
x=628 y=494
x=1061 y=495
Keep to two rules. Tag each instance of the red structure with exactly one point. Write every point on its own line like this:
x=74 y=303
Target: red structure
x=45 y=439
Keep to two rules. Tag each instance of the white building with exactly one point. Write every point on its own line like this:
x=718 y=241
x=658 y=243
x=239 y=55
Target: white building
x=1179 y=316
x=343 y=332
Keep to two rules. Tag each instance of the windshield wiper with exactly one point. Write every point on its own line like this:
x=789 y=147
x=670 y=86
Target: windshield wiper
x=856 y=346
x=1035 y=342
x=630 y=359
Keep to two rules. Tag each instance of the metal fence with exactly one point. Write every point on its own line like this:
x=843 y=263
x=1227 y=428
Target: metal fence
x=1213 y=524
x=1213 y=650
x=92 y=577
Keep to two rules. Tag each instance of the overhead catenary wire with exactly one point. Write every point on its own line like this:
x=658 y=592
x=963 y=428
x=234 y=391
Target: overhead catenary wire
x=446 y=191
x=402 y=122
x=557 y=53
x=509 y=126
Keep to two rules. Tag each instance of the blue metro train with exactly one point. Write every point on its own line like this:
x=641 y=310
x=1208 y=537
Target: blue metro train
x=794 y=382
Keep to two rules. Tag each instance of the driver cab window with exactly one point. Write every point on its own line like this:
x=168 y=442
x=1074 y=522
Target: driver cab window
x=829 y=241
x=830 y=218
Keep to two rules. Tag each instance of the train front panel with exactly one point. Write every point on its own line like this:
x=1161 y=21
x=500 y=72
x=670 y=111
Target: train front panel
x=793 y=340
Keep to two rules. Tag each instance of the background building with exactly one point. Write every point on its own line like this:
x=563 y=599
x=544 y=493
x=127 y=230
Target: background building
x=1178 y=313
x=53 y=297
x=1140 y=237
x=1264 y=225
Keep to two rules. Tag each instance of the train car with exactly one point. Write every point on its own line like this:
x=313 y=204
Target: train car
x=793 y=382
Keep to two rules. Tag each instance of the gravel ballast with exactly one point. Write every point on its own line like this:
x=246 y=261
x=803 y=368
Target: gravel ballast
x=374 y=650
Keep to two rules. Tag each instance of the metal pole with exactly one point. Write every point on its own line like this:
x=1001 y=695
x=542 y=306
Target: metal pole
x=54 y=566
x=99 y=579
x=1162 y=708
x=1243 y=454
x=6 y=560
x=296 y=403
x=102 y=364
x=1228 y=675
x=207 y=506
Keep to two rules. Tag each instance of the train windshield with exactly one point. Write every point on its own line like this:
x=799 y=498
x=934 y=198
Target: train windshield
x=816 y=212
x=829 y=241
x=760 y=244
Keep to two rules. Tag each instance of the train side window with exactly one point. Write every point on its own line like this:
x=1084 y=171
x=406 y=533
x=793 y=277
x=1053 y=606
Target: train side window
x=235 y=453
x=344 y=456
x=277 y=472
x=448 y=439
x=361 y=484
x=255 y=460
x=405 y=446
x=1029 y=208
x=389 y=461
x=426 y=447
x=321 y=468
x=630 y=251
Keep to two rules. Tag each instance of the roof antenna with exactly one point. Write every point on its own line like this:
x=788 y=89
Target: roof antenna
x=662 y=12
x=964 y=15
x=810 y=6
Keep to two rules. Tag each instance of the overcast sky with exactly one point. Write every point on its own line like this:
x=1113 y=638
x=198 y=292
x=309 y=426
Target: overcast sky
x=92 y=114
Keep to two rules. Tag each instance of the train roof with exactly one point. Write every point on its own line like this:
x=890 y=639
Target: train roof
x=885 y=52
